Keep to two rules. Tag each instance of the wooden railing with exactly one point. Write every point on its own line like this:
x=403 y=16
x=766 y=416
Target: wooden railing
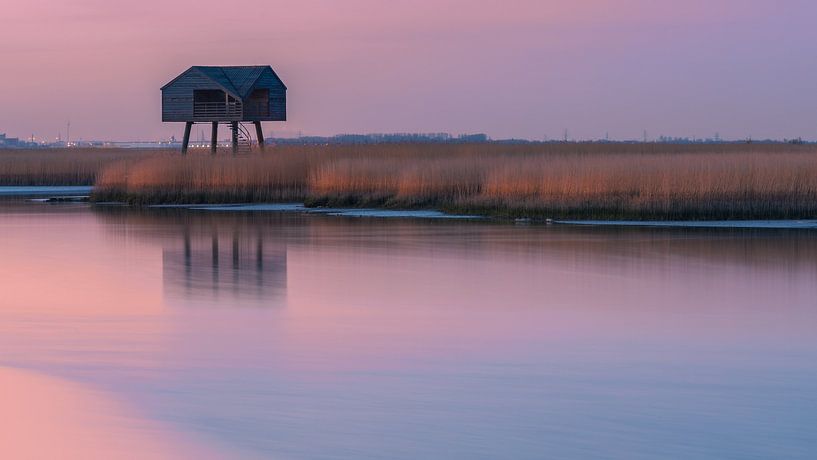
x=217 y=110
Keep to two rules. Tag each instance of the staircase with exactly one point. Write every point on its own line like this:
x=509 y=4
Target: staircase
x=245 y=143
x=244 y=140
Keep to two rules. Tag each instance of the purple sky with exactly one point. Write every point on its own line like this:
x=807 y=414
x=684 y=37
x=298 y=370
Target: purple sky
x=510 y=68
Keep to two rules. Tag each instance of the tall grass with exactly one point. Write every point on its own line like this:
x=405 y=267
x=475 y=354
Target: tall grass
x=61 y=166
x=648 y=181
x=201 y=178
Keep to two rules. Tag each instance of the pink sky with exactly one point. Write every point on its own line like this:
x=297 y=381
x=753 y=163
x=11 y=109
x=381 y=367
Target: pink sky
x=521 y=68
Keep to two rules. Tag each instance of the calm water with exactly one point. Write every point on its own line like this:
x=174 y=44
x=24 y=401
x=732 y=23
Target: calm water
x=280 y=335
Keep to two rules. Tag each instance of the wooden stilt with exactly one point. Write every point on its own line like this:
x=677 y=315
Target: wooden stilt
x=186 y=141
x=214 y=138
x=234 y=126
x=259 y=133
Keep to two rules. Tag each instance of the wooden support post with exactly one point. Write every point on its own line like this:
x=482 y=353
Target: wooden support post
x=186 y=140
x=214 y=138
x=234 y=126
x=259 y=133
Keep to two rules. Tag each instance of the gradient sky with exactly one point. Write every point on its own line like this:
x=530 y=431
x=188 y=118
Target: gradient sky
x=509 y=68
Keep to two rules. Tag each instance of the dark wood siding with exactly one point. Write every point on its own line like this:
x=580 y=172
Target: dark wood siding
x=177 y=99
x=277 y=96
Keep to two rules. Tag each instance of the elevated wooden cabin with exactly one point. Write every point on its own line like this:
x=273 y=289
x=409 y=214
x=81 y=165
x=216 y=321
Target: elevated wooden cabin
x=227 y=94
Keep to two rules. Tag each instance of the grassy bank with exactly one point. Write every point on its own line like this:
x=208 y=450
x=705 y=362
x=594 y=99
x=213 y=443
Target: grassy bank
x=644 y=181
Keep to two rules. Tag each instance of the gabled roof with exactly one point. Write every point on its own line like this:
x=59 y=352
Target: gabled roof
x=243 y=78
x=236 y=80
x=218 y=75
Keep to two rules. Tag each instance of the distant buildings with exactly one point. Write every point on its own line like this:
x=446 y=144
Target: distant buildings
x=393 y=138
x=10 y=142
x=389 y=138
x=33 y=143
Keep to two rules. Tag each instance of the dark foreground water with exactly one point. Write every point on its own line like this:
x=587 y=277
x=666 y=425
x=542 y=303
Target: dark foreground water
x=280 y=335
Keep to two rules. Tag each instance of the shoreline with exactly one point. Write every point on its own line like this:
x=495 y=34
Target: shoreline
x=725 y=224
x=438 y=214
x=74 y=194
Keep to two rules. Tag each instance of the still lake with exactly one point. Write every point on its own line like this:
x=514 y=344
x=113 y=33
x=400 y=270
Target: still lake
x=286 y=335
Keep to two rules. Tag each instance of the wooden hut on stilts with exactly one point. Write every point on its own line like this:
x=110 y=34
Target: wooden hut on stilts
x=230 y=95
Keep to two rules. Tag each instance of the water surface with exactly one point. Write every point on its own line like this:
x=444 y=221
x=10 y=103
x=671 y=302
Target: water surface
x=284 y=335
x=50 y=190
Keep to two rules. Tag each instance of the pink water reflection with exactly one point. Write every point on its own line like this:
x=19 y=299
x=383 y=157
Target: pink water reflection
x=254 y=332
x=47 y=418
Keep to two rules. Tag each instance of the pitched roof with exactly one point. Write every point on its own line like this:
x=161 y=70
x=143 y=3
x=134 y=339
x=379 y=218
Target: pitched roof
x=218 y=75
x=237 y=80
x=243 y=78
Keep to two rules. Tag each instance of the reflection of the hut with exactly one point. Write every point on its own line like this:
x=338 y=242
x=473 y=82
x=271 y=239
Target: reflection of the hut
x=209 y=254
x=223 y=264
x=220 y=258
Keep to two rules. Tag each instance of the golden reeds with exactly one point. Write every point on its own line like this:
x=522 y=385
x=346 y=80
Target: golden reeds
x=649 y=181
x=61 y=166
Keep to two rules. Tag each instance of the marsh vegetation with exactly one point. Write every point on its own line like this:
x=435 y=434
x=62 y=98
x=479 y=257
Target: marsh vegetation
x=60 y=166
x=647 y=181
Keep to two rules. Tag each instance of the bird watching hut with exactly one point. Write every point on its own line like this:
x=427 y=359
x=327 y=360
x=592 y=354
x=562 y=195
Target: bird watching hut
x=230 y=95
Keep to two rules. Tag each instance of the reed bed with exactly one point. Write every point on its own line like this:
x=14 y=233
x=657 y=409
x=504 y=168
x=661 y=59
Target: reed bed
x=61 y=166
x=580 y=180
x=202 y=178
